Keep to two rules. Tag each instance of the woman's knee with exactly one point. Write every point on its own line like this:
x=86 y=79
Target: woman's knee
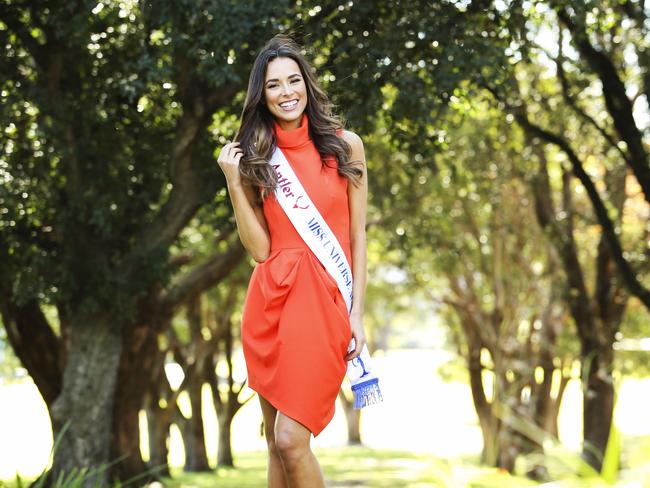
x=290 y=442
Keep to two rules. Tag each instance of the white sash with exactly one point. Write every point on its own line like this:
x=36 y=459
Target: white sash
x=313 y=229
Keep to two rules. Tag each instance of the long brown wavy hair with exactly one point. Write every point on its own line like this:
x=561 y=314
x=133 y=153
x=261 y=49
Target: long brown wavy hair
x=256 y=136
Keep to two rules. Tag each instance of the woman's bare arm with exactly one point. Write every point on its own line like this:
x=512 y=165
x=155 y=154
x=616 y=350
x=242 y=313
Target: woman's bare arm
x=251 y=223
x=358 y=198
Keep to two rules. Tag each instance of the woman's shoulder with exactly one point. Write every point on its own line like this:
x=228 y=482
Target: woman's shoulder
x=352 y=138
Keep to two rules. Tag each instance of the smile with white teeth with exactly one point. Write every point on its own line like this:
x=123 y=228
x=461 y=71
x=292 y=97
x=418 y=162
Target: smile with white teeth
x=290 y=105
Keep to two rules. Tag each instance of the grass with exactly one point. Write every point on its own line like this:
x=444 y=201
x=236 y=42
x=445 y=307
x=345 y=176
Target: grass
x=362 y=467
x=358 y=467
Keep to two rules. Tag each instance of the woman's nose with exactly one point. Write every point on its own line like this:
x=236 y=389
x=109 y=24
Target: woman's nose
x=286 y=88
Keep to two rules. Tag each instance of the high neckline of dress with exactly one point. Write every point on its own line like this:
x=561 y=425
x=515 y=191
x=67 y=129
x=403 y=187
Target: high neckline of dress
x=292 y=137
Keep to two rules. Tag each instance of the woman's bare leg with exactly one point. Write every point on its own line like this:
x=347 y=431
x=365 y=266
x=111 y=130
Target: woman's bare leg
x=275 y=474
x=300 y=465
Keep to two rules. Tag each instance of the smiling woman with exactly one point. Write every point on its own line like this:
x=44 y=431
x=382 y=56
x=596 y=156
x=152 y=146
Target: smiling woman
x=285 y=92
x=296 y=324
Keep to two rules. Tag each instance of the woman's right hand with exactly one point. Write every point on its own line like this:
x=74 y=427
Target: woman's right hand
x=228 y=160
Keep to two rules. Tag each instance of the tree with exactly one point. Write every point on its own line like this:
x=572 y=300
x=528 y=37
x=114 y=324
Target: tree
x=443 y=53
x=603 y=141
x=106 y=157
x=470 y=225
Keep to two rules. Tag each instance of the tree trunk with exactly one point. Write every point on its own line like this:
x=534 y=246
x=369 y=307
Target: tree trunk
x=488 y=422
x=135 y=373
x=224 y=452
x=228 y=406
x=509 y=447
x=353 y=419
x=598 y=404
x=196 y=458
x=159 y=419
x=548 y=408
x=158 y=425
x=82 y=415
x=507 y=410
x=34 y=342
x=593 y=329
x=545 y=407
x=126 y=438
x=554 y=411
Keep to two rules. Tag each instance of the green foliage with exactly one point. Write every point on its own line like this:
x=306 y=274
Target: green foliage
x=218 y=38
x=89 y=153
x=612 y=460
x=423 y=50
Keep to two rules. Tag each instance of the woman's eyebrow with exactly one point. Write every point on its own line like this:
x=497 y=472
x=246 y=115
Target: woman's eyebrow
x=275 y=79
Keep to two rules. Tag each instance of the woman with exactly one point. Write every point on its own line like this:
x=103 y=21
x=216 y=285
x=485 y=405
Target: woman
x=295 y=324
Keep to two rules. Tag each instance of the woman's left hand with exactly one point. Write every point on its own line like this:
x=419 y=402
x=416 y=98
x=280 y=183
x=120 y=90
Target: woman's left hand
x=359 y=336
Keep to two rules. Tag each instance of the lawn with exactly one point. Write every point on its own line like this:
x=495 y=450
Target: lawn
x=384 y=468
x=359 y=467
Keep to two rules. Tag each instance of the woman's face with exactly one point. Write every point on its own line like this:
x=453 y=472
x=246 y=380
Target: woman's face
x=285 y=92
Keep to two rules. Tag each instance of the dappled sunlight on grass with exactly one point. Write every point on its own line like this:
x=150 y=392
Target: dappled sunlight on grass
x=360 y=467
x=367 y=467
x=378 y=468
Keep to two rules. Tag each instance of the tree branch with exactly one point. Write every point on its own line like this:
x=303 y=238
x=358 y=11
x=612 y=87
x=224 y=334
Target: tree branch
x=203 y=276
x=571 y=102
x=34 y=342
x=616 y=100
x=470 y=314
x=188 y=184
x=629 y=276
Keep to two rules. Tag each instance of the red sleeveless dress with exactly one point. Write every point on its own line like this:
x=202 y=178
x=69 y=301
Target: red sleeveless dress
x=295 y=323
